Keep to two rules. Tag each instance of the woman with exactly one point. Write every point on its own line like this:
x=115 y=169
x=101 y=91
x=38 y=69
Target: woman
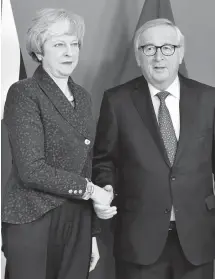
x=47 y=211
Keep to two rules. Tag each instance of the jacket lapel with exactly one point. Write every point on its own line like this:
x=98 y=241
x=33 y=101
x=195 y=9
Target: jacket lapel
x=143 y=103
x=79 y=117
x=189 y=108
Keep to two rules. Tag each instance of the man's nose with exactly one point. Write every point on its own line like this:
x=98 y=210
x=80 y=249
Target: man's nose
x=158 y=55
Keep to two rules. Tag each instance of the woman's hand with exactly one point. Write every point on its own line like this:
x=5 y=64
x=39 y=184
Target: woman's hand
x=103 y=196
x=94 y=255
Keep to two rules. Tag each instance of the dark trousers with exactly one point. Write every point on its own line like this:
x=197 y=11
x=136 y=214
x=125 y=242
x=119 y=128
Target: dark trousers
x=56 y=246
x=172 y=264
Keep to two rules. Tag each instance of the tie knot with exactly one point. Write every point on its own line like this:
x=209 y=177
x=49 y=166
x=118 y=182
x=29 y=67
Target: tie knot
x=162 y=95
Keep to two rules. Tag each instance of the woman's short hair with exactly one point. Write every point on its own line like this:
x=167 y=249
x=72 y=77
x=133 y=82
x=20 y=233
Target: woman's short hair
x=154 y=23
x=39 y=30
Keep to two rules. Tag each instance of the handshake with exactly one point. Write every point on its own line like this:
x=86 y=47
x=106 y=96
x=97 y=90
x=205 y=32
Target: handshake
x=102 y=198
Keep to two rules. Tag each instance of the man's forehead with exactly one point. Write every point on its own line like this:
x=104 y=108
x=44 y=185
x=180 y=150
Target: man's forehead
x=160 y=33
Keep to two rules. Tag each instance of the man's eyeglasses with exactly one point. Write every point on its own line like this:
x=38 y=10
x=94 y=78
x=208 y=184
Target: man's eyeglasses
x=167 y=49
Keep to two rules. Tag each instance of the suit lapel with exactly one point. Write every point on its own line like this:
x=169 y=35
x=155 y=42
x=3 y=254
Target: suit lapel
x=143 y=103
x=79 y=117
x=189 y=108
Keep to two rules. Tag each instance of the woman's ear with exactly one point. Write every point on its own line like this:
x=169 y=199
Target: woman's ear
x=39 y=56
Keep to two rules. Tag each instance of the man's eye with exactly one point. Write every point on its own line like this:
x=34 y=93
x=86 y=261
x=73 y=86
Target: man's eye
x=167 y=47
x=149 y=49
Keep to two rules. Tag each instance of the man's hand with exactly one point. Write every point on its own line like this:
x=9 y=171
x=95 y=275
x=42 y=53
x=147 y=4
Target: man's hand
x=94 y=255
x=104 y=211
x=102 y=196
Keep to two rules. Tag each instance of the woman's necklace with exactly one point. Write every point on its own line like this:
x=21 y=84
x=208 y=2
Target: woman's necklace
x=70 y=97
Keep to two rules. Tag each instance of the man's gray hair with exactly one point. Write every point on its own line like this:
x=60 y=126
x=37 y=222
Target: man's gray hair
x=154 y=23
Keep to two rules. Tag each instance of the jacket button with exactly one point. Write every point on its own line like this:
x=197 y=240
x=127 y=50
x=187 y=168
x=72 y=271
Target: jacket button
x=70 y=191
x=87 y=142
x=75 y=192
x=80 y=191
x=173 y=178
x=166 y=211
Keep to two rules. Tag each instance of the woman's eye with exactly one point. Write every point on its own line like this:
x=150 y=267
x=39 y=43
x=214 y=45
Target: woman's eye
x=58 y=45
x=75 y=44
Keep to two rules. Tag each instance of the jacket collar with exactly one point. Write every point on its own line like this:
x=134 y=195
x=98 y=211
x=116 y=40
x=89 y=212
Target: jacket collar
x=79 y=117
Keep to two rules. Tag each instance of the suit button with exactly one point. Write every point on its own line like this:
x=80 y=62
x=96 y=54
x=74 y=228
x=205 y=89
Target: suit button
x=75 y=192
x=70 y=191
x=173 y=178
x=87 y=142
x=166 y=211
x=80 y=191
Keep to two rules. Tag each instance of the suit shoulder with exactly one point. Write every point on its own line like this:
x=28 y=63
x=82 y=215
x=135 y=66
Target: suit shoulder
x=206 y=91
x=196 y=84
x=27 y=82
x=121 y=90
x=19 y=93
x=22 y=87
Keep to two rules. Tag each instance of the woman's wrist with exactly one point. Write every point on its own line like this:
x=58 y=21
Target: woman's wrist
x=90 y=189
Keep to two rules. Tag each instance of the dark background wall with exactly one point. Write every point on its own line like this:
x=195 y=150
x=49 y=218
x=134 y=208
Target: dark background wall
x=109 y=30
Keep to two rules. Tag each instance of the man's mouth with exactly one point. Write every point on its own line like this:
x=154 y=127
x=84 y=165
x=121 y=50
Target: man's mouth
x=159 y=69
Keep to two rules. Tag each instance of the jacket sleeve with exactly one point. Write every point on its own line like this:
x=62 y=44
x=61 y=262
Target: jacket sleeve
x=105 y=158
x=26 y=135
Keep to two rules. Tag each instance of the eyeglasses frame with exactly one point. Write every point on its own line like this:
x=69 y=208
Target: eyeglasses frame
x=159 y=47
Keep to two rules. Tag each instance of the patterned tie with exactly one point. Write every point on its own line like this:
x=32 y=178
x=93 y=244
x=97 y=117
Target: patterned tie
x=166 y=127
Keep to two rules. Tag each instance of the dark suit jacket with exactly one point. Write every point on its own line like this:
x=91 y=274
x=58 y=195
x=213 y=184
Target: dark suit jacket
x=51 y=145
x=129 y=154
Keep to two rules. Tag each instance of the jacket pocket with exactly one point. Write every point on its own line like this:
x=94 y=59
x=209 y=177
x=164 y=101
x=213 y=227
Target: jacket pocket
x=204 y=133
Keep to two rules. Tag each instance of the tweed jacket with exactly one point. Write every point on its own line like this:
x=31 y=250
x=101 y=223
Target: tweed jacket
x=51 y=145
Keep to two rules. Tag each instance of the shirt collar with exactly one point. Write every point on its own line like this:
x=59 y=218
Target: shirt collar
x=173 y=89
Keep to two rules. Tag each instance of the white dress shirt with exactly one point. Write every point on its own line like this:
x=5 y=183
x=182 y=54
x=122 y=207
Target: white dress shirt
x=172 y=103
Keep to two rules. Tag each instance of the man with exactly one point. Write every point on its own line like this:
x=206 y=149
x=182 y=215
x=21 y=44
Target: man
x=155 y=145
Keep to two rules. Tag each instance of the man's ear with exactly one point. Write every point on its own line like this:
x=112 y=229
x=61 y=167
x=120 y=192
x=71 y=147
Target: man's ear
x=181 y=54
x=137 y=58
